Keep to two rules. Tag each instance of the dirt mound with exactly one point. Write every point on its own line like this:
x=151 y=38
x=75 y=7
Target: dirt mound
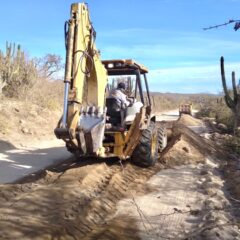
x=23 y=122
x=186 y=147
x=188 y=120
x=181 y=151
x=205 y=146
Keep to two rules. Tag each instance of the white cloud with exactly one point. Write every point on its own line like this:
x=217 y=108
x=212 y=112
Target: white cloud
x=179 y=47
x=180 y=61
x=191 y=79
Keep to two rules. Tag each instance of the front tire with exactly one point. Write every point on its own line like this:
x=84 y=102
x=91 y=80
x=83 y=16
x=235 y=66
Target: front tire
x=146 y=152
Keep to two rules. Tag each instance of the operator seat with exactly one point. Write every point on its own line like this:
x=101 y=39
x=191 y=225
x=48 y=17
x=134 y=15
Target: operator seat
x=114 y=111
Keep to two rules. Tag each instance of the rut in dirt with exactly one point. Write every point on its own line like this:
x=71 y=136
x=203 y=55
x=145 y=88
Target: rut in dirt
x=68 y=203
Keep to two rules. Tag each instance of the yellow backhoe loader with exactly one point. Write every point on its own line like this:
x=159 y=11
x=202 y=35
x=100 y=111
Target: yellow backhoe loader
x=185 y=108
x=93 y=124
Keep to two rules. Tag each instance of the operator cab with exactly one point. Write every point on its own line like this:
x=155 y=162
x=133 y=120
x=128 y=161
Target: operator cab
x=137 y=92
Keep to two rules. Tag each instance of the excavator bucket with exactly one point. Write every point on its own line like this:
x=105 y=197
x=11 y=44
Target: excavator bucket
x=91 y=130
x=88 y=137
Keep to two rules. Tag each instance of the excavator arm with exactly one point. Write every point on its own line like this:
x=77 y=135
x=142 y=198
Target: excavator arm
x=83 y=121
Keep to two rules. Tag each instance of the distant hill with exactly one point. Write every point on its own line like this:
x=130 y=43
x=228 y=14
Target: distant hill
x=168 y=101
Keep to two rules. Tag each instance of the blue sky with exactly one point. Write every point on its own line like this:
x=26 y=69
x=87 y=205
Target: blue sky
x=164 y=35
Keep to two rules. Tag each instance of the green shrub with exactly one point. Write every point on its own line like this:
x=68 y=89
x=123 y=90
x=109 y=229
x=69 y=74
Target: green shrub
x=29 y=78
x=16 y=70
x=216 y=108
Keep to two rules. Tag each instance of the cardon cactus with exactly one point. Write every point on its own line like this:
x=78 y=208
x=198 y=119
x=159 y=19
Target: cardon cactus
x=9 y=64
x=130 y=86
x=13 y=59
x=232 y=102
x=129 y=82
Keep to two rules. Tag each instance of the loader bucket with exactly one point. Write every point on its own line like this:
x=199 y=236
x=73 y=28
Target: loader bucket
x=87 y=138
x=91 y=130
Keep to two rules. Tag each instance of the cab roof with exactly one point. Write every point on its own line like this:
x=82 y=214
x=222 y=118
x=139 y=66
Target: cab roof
x=123 y=67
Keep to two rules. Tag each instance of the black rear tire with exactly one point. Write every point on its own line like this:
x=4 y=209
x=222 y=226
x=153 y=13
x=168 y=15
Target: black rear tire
x=162 y=138
x=146 y=152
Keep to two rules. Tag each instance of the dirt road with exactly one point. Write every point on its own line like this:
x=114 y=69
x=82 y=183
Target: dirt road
x=182 y=197
x=172 y=115
x=16 y=163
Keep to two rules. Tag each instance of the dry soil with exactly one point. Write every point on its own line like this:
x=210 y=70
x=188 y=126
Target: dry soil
x=184 y=196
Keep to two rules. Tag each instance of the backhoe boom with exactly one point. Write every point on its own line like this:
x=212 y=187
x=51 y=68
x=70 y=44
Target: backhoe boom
x=85 y=84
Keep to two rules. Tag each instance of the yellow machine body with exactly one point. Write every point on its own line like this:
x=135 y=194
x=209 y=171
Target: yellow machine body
x=185 y=108
x=83 y=123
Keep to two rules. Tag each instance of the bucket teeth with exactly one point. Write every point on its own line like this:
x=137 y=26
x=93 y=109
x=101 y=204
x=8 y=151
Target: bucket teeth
x=81 y=110
x=90 y=110
x=93 y=111
x=99 y=112
x=86 y=110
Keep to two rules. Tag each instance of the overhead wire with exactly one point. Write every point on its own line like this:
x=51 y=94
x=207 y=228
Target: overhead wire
x=236 y=27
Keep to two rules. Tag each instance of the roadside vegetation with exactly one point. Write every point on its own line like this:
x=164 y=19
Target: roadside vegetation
x=30 y=94
x=224 y=111
x=214 y=109
x=30 y=79
x=169 y=101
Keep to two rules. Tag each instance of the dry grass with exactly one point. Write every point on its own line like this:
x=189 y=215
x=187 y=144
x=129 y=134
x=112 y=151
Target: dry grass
x=45 y=93
x=162 y=102
x=217 y=109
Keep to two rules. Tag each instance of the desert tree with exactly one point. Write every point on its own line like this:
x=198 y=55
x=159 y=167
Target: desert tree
x=49 y=65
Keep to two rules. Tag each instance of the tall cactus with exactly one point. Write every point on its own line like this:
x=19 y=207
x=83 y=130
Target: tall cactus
x=232 y=103
x=12 y=59
x=130 y=86
x=2 y=80
x=9 y=64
